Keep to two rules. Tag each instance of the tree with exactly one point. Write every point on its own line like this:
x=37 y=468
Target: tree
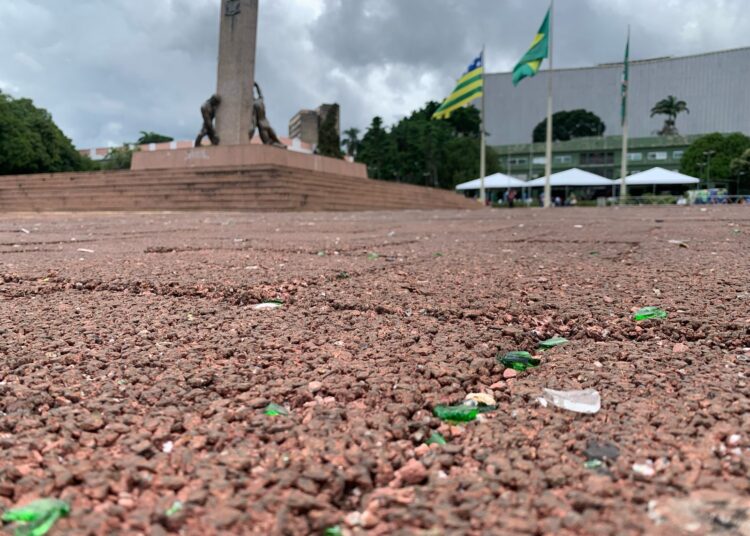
x=119 y=157
x=31 y=142
x=377 y=151
x=351 y=141
x=152 y=137
x=329 y=143
x=420 y=150
x=671 y=107
x=717 y=151
x=568 y=125
x=740 y=170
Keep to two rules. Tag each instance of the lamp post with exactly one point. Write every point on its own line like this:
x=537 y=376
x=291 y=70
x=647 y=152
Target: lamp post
x=702 y=167
x=708 y=155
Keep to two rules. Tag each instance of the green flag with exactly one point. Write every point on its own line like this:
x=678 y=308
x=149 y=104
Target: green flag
x=625 y=78
x=532 y=60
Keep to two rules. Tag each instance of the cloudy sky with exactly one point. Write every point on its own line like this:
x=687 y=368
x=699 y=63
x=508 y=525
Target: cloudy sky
x=107 y=69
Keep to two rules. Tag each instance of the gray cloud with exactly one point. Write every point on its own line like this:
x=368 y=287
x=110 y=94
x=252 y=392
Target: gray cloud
x=107 y=69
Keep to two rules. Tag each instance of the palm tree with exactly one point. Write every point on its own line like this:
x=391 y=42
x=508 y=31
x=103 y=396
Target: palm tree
x=671 y=107
x=351 y=141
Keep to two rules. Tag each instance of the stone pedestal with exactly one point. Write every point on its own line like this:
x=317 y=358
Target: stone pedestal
x=236 y=76
x=244 y=157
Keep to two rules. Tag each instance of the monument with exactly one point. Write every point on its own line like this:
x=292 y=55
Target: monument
x=234 y=113
x=236 y=76
x=232 y=173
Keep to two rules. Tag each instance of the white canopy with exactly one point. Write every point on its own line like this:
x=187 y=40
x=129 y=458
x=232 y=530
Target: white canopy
x=659 y=175
x=572 y=177
x=498 y=180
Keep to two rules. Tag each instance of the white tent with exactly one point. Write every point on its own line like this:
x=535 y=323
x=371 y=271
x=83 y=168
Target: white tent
x=658 y=176
x=572 y=177
x=498 y=180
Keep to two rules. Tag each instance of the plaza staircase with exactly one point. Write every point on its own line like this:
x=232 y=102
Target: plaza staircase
x=248 y=188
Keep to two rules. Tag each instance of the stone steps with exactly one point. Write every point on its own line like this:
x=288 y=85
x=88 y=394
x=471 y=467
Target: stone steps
x=253 y=188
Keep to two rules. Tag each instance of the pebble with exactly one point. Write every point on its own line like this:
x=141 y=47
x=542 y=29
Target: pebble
x=353 y=519
x=644 y=470
x=509 y=373
x=369 y=519
x=314 y=386
x=412 y=473
x=680 y=348
x=481 y=398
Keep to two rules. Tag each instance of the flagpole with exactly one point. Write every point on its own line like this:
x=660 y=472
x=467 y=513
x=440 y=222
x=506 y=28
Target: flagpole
x=548 y=159
x=483 y=149
x=624 y=164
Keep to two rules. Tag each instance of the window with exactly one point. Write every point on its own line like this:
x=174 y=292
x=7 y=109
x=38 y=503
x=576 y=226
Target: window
x=658 y=155
x=540 y=160
x=564 y=159
x=635 y=157
x=519 y=161
x=597 y=158
x=677 y=155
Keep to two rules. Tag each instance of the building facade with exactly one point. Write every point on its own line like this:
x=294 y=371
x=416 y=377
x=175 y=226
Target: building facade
x=305 y=124
x=601 y=156
x=714 y=86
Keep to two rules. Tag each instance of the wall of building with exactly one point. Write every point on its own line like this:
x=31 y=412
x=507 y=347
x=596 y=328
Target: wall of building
x=304 y=126
x=601 y=156
x=714 y=85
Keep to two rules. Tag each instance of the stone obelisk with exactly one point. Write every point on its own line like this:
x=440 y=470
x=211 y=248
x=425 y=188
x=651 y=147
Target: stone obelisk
x=237 y=40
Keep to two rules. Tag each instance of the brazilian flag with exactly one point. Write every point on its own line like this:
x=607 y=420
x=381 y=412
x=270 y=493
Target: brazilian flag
x=532 y=60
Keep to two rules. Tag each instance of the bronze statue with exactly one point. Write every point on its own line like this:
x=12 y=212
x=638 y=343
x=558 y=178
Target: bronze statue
x=260 y=121
x=208 y=111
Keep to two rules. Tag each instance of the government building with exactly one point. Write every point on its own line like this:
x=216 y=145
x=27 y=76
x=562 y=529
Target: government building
x=714 y=86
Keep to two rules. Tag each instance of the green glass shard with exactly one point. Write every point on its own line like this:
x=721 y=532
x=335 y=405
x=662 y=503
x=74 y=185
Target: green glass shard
x=551 y=343
x=649 y=313
x=37 y=517
x=436 y=439
x=275 y=410
x=519 y=361
x=175 y=509
x=460 y=413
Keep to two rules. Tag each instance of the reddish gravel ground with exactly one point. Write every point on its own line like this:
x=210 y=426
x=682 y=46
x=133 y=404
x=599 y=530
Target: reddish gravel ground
x=124 y=335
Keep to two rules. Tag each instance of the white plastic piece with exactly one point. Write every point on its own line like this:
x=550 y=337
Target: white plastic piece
x=586 y=401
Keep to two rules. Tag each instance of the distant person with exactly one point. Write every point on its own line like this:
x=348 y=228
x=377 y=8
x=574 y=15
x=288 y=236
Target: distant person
x=572 y=200
x=558 y=201
x=511 y=198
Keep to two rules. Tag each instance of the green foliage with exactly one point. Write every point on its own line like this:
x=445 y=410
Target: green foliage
x=152 y=137
x=329 y=143
x=378 y=151
x=740 y=170
x=659 y=199
x=671 y=107
x=351 y=141
x=420 y=150
x=30 y=142
x=568 y=125
x=119 y=157
x=725 y=147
